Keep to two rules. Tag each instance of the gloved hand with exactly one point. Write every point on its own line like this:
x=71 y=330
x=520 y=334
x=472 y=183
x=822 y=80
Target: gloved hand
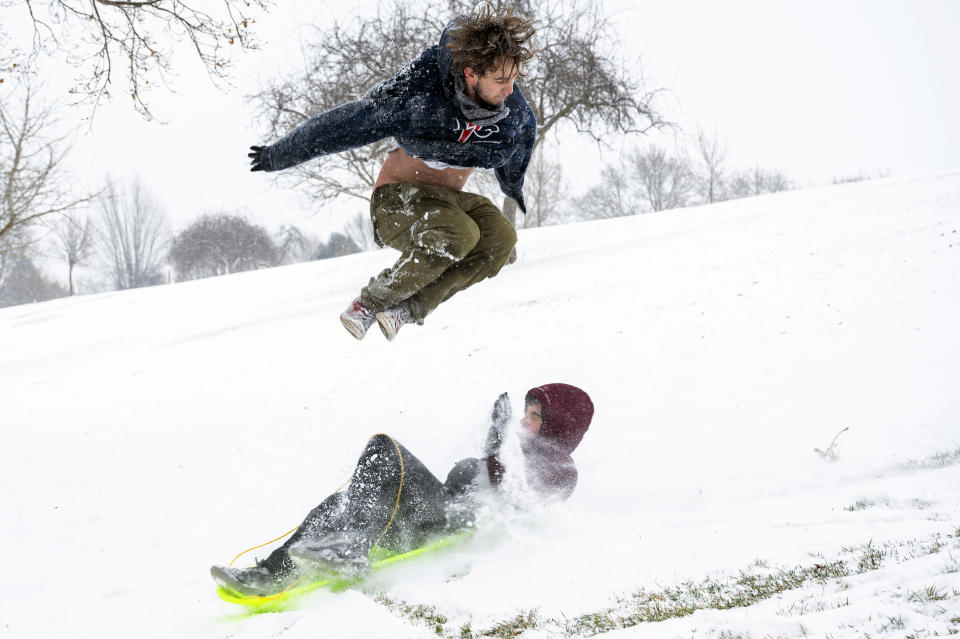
x=258 y=159
x=502 y=412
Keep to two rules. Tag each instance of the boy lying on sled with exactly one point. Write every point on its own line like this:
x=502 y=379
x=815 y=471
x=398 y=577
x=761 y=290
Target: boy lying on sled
x=393 y=500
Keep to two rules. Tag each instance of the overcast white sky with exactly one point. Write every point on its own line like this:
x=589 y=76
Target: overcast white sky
x=815 y=88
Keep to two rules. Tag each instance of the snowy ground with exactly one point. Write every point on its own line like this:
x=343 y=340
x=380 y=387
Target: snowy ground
x=148 y=434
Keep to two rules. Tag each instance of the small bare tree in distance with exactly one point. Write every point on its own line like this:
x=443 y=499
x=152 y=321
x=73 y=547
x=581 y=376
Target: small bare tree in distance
x=218 y=244
x=8 y=259
x=73 y=240
x=337 y=245
x=293 y=245
x=359 y=229
x=707 y=164
x=757 y=181
x=613 y=197
x=133 y=235
x=25 y=283
x=663 y=180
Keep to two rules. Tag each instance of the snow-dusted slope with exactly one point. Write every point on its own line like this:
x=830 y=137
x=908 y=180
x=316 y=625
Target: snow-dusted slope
x=148 y=434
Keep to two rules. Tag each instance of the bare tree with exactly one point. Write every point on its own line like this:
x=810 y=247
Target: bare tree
x=757 y=181
x=293 y=245
x=546 y=188
x=663 y=181
x=135 y=38
x=35 y=178
x=707 y=165
x=613 y=197
x=337 y=246
x=221 y=244
x=133 y=235
x=359 y=229
x=8 y=259
x=25 y=283
x=576 y=78
x=73 y=237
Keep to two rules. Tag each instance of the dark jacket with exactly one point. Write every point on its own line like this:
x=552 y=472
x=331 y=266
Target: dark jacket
x=417 y=107
x=566 y=412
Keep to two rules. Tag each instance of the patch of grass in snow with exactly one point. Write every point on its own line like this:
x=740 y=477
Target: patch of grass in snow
x=812 y=603
x=752 y=585
x=893 y=623
x=431 y=617
x=930 y=593
x=426 y=615
x=937 y=460
x=747 y=588
x=863 y=504
x=512 y=627
x=871 y=558
x=954 y=566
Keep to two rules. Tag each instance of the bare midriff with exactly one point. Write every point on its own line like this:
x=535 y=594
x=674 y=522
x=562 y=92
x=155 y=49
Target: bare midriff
x=401 y=168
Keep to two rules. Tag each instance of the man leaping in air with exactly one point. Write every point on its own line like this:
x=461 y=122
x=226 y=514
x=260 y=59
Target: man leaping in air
x=453 y=109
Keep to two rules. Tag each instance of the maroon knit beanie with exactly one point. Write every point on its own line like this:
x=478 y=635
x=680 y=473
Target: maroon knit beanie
x=566 y=412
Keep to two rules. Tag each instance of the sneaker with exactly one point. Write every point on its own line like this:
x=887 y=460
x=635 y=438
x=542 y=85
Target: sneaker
x=331 y=554
x=391 y=320
x=357 y=318
x=256 y=581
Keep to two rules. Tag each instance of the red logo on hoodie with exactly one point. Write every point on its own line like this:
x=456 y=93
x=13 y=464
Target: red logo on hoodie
x=477 y=130
x=468 y=130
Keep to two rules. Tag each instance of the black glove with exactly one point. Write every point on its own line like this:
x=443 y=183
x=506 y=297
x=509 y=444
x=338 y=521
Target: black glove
x=258 y=159
x=498 y=423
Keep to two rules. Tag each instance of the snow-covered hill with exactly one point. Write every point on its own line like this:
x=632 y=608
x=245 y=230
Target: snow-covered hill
x=150 y=433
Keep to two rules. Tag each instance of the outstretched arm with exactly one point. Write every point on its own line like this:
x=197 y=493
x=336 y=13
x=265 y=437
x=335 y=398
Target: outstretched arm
x=387 y=110
x=344 y=127
x=462 y=476
x=502 y=412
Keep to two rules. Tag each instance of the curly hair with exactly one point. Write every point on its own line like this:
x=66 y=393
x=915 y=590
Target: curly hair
x=488 y=38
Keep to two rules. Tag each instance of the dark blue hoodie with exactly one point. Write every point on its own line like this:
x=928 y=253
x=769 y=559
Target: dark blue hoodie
x=418 y=107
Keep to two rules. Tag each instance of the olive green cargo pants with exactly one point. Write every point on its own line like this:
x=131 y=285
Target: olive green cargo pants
x=448 y=240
